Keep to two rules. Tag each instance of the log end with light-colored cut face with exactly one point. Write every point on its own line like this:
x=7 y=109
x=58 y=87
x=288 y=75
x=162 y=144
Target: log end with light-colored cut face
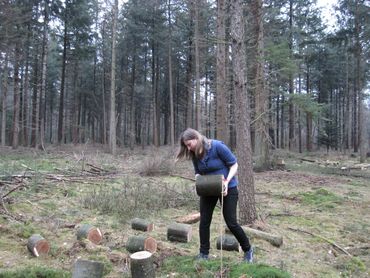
x=94 y=235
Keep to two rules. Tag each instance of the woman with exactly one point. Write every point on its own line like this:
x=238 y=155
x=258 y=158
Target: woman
x=213 y=157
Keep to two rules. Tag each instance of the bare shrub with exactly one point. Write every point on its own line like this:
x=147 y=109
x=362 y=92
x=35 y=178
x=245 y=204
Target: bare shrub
x=157 y=165
x=139 y=197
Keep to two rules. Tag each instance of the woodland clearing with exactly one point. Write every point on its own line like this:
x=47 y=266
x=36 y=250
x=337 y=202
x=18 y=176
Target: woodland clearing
x=321 y=209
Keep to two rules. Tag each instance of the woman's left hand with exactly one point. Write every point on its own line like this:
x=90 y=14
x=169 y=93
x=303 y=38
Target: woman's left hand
x=225 y=187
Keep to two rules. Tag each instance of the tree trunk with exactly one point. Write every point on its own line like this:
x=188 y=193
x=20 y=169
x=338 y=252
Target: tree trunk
x=170 y=83
x=358 y=80
x=243 y=137
x=291 y=85
x=222 y=129
x=308 y=115
x=198 y=118
x=262 y=140
x=15 y=140
x=44 y=58
x=62 y=86
x=112 y=118
x=3 y=99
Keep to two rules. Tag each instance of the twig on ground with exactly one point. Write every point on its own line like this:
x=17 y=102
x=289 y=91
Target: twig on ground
x=323 y=238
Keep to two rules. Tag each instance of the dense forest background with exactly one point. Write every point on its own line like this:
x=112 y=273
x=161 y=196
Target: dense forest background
x=140 y=72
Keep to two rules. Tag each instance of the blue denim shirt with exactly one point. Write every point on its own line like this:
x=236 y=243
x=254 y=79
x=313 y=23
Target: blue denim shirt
x=217 y=160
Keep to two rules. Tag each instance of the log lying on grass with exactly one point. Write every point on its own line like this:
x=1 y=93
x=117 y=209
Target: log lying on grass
x=189 y=219
x=179 y=232
x=229 y=243
x=142 y=225
x=275 y=240
x=38 y=245
x=87 y=269
x=141 y=243
x=142 y=265
x=90 y=232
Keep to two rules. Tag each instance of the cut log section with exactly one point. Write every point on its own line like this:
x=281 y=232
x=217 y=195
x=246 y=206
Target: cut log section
x=210 y=185
x=87 y=269
x=229 y=243
x=38 y=245
x=189 y=219
x=179 y=232
x=142 y=265
x=141 y=243
x=142 y=225
x=275 y=240
x=91 y=233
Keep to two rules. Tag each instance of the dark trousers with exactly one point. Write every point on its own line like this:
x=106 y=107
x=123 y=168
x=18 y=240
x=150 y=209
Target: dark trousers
x=207 y=205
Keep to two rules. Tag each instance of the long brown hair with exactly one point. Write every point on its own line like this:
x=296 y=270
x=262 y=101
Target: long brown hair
x=190 y=134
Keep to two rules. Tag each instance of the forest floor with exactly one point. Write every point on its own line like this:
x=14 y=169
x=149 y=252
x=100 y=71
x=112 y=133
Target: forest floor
x=321 y=211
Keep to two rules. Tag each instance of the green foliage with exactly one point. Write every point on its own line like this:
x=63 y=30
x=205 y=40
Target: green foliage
x=321 y=198
x=35 y=272
x=308 y=105
x=186 y=266
x=279 y=55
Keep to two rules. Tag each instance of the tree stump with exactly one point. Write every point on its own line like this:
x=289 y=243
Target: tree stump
x=141 y=243
x=142 y=225
x=91 y=233
x=179 y=232
x=87 y=269
x=142 y=265
x=210 y=185
x=229 y=243
x=38 y=245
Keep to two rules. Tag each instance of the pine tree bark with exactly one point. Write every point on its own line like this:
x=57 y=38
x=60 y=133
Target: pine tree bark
x=198 y=118
x=222 y=130
x=170 y=83
x=62 y=85
x=291 y=88
x=112 y=118
x=262 y=140
x=3 y=99
x=16 y=106
x=189 y=70
x=44 y=57
x=247 y=204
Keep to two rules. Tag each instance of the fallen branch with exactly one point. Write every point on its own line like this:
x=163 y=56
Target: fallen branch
x=356 y=167
x=13 y=189
x=323 y=238
x=183 y=177
x=275 y=240
x=189 y=219
x=308 y=160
